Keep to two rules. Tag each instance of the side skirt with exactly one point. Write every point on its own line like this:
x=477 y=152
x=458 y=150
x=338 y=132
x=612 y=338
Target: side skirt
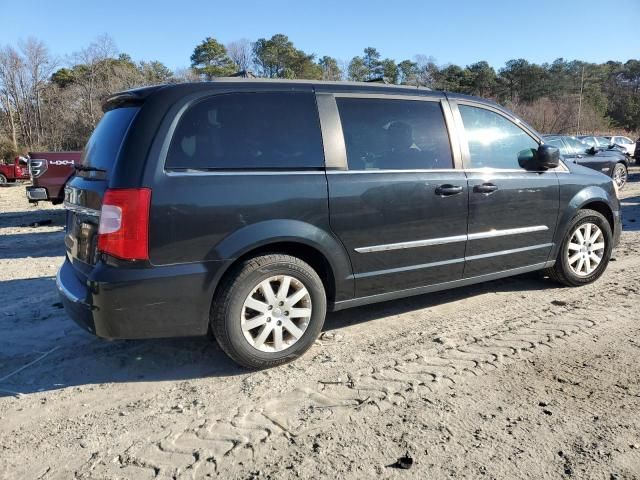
x=383 y=297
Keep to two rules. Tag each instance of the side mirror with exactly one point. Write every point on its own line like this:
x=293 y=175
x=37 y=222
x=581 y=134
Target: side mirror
x=548 y=156
x=544 y=158
x=592 y=150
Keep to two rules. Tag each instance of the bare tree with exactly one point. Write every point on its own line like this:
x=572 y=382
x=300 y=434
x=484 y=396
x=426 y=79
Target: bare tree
x=240 y=51
x=10 y=65
x=92 y=68
x=559 y=115
x=182 y=75
x=426 y=70
x=38 y=65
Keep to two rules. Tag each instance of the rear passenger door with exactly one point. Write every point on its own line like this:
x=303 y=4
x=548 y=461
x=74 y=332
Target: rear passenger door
x=396 y=201
x=512 y=211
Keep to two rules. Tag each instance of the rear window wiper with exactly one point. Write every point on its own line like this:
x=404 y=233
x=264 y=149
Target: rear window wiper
x=84 y=168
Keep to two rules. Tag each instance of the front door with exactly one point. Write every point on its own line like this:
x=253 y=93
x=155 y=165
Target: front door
x=400 y=206
x=512 y=212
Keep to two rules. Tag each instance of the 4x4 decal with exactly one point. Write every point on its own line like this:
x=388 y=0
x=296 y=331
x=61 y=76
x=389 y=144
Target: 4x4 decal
x=61 y=162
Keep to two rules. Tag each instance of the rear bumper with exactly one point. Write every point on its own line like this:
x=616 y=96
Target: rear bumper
x=73 y=295
x=154 y=302
x=36 y=194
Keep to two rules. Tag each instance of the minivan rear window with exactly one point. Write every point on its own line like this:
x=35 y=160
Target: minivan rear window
x=104 y=144
x=272 y=130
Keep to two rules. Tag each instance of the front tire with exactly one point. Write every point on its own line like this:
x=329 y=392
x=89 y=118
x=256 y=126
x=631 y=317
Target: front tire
x=620 y=175
x=269 y=311
x=3 y=179
x=585 y=250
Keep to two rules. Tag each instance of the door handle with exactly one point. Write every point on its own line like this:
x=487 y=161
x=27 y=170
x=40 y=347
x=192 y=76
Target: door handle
x=448 y=190
x=485 y=188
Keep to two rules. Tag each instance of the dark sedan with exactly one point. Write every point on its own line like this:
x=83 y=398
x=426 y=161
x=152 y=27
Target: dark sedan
x=611 y=162
x=601 y=143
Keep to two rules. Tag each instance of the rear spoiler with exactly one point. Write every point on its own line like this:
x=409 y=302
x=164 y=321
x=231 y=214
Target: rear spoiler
x=129 y=98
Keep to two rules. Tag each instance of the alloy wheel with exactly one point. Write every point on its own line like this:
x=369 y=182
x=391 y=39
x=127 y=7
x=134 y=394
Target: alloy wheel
x=586 y=249
x=620 y=175
x=276 y=313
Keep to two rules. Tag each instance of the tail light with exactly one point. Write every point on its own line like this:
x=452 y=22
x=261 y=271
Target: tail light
x=124 y=223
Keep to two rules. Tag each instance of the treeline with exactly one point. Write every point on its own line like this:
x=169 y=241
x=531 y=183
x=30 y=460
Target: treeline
x=46 y=106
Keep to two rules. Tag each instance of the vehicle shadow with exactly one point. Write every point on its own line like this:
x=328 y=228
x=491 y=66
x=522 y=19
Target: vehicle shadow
x=35 y=328
x=522 y=283
x=29 y=330
x=55 y=217
x=630 y=213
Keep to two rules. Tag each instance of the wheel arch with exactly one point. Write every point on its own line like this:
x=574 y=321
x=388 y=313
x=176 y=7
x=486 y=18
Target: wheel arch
x=593 y=197
x=602 y=208
x=315 y=246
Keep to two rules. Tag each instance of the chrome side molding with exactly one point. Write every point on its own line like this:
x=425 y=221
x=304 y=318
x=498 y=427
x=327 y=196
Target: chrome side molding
x=508 y=252
x=508 y=231
x=414 y=244
x=451 y=261
x=452 y=239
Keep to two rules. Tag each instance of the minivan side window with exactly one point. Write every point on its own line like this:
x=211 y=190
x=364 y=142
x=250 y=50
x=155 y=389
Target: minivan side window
x=394 y=134
x=271 y=130
x=494 y=141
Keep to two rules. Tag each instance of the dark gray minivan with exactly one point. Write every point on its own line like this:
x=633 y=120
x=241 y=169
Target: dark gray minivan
x=248 y=208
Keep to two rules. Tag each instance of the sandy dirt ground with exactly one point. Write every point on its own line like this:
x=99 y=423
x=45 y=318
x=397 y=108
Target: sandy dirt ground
x=516 y=378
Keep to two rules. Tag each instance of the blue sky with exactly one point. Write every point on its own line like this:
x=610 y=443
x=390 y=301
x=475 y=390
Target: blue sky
x=454 y=31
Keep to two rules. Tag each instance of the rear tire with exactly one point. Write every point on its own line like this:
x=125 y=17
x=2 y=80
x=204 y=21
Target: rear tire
x=269 y=311
x=581 y=262
x=3 y=180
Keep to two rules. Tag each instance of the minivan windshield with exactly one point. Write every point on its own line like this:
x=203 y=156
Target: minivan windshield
x=104 y=144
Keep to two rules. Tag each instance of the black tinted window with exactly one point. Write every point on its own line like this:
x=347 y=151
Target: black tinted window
x=394 y=134
x=102 y=148
x=495 y=141
x=249 y=130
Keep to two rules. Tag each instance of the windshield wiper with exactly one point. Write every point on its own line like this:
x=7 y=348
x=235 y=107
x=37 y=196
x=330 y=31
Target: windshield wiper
x=84 y=168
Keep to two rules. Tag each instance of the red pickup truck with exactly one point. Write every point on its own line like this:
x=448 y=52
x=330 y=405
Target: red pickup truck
x=10 y=172
x=50 y=172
